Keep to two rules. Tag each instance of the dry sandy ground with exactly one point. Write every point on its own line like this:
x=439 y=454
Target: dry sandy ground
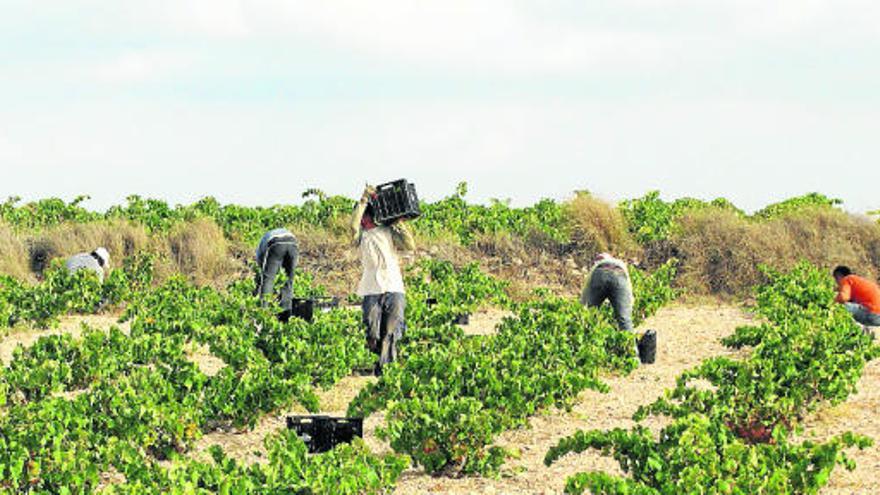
x=858 y=414
x=687 y=335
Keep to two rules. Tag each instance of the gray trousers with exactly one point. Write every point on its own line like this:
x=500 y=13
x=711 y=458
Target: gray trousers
x=279 y=255
x=384 y=322
x=606 y=283
x=863 y=315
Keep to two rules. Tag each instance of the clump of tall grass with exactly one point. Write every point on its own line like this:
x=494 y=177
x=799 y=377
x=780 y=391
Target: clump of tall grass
x=199 y=250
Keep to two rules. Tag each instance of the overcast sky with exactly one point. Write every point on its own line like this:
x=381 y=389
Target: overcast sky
x=255 y=101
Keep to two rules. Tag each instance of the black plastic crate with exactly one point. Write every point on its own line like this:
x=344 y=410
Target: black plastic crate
x=305 y=307
x=394 y=200
x=322 y=433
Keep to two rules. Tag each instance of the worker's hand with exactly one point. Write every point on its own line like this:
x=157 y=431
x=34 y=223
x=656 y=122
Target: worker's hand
x=369 y=192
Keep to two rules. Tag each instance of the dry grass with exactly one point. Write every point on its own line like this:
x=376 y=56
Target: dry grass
x=598 y=226
x=199 y=249
x=120 y=237
x=13 y=254
x=329 y=256
x=720 y=251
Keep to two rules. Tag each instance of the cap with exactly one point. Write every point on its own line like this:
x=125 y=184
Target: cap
x=103 y=255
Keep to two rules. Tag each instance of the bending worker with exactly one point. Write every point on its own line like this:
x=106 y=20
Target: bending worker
x=609 y=279
x=381 y=284
x=278 y=249
x=97 y=261
x=859 y=295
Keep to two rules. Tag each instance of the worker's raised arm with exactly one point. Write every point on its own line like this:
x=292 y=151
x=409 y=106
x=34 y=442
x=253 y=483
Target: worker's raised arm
x=358 y=214
x=403 y=236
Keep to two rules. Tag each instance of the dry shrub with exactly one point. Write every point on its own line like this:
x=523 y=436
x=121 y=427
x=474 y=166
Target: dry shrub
x=500 y=245
x=720 y=251
x=598 y=226
x=13 y=254
x=120 y=237
x=199 y=250
x=328 y=255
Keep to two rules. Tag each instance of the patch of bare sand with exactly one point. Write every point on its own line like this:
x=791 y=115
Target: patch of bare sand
x=485 y=321
x=247 y=445
x=686 y=336
x=69 y=324
x=859 y=415
x=201 y=355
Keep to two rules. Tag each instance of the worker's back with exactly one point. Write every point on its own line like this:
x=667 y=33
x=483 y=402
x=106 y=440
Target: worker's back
x=84 y=261
x=862 y=291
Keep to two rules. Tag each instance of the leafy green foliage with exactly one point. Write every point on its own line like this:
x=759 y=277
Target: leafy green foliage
x=649 y=218
x=733 y=436
x=462 y=220
x=696 y=455
x=134 y=399
x=446 y=404
x=652 y=291
x=798 y=203
x=44 y=213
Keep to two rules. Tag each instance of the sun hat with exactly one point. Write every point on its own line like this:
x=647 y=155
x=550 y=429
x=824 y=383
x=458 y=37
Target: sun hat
x=103 y=255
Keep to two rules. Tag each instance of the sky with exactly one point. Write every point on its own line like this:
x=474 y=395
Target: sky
x=255 y=101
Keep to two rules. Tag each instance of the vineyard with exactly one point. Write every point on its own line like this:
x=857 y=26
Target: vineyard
x=125 y=409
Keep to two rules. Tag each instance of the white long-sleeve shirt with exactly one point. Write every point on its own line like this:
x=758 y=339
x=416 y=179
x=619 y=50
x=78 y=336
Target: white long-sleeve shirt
x=379 y=262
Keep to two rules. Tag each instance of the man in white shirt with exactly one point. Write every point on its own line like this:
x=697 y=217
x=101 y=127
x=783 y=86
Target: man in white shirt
x=97 y=261
x=381 y=284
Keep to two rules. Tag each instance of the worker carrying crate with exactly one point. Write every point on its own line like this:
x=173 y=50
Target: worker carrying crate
x=378 y=228
x=393 y=201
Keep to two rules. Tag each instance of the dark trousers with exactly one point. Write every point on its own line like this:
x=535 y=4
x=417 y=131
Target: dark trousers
x=384 y=322
x=612 y=284
x=281 y=254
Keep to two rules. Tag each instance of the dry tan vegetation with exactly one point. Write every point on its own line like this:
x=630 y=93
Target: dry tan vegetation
x=598 y=226
x=199 y=249
x=721 y=251
x=13 y=254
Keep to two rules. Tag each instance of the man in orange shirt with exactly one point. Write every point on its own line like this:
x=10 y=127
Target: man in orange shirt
x=860 y=295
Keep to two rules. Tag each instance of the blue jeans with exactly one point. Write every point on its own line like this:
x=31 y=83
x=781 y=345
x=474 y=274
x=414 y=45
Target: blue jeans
x=281 y=255
x=611 y=284
x=384 y=322
x=863 y=315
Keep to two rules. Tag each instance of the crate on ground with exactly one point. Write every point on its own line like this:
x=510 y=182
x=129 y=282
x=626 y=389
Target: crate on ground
x=321 y=433
x=394 y=200
x=305 y=307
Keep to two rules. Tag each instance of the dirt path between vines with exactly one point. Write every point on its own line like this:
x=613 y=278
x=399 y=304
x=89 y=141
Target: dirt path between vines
x=859 y=415
x=686 y=336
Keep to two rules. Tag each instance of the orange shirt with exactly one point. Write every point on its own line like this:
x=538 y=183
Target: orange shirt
x=854 y=288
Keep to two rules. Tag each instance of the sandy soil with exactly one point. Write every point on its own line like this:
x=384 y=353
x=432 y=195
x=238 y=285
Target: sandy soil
x=247 y=445
x=686 y=336
x=208 y=363
x=859 y=415
x=484 y=321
